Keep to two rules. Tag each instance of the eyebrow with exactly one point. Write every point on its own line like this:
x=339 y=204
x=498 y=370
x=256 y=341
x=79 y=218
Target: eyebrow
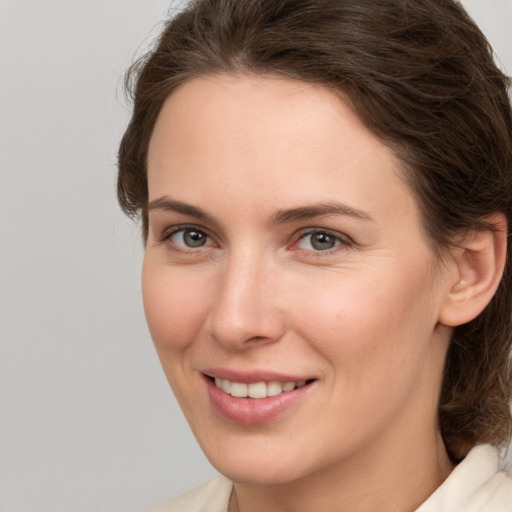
x=164 y=203
x=317 y=210
x=283 y=216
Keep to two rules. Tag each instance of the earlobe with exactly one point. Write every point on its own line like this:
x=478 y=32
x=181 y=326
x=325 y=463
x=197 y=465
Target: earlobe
x=480 y=260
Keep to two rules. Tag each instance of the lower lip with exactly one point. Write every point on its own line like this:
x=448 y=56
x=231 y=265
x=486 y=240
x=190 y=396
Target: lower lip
x=253 y=411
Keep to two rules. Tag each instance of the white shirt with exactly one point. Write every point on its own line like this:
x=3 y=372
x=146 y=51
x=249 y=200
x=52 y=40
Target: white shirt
x=475 y=485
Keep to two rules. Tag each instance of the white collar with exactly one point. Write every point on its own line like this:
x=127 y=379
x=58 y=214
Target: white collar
x=475 y=485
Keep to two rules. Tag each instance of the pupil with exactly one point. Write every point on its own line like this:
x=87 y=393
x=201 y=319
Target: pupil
x=194 y=238
x=322 y=241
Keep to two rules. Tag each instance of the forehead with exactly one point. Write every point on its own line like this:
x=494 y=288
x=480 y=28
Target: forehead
x=259 y=140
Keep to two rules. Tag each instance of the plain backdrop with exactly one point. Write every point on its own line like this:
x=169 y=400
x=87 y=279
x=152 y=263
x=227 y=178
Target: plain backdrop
x=87 y=422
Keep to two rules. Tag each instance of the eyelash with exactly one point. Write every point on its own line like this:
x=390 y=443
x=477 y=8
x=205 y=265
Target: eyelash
x=168 y=234
x=342 y=241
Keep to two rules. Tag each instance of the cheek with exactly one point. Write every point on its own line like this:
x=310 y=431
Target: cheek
x=175 y=304
x=367 y=325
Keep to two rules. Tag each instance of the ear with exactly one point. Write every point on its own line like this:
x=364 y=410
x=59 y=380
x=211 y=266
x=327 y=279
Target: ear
x=479 y=262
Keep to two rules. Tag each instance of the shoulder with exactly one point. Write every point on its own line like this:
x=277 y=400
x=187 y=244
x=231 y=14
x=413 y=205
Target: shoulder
x=475 y=485
x=499 y=496
x=213 y=496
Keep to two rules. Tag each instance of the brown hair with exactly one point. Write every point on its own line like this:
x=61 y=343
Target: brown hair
x=421 y=76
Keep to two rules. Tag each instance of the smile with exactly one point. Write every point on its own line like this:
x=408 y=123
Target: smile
x=258 y=401
x=257 y=389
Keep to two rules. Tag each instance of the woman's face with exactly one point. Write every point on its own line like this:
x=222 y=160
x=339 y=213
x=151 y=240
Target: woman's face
x=285 y=251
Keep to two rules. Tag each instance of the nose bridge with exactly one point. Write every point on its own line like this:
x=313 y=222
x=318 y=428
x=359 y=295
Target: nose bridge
x=245 y=310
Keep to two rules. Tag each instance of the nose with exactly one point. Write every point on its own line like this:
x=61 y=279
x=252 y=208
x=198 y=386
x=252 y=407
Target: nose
x=246 y=311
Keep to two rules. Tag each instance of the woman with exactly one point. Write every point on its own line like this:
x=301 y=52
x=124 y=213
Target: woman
x=324 y=189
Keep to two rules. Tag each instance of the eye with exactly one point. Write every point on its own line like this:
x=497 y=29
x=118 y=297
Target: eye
x=320 y=241
x=190 y=238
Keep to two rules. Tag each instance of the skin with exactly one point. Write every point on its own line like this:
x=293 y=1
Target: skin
x=363 y=318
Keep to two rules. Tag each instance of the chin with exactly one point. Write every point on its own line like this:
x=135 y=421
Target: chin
x=247 y=471
x=260 y=461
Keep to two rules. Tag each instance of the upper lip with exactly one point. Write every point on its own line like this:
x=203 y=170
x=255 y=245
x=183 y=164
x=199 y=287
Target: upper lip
x=249 y=377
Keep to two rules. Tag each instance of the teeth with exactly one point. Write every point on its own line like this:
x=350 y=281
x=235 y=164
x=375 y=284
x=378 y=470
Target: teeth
x=238 y=389
x=257 y=389
x=274 y=388
x=288 y=386
x=226 y=385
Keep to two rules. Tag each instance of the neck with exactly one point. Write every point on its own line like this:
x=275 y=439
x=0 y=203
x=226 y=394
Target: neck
x=401 y=479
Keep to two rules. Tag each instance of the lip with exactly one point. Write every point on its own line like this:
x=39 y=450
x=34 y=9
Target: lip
x=250 y=411
x=250 y=377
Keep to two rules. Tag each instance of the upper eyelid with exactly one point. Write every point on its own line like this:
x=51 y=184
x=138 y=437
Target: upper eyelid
x=311 y=231
x=172 y=230
x=345 y=244
x=163 y=221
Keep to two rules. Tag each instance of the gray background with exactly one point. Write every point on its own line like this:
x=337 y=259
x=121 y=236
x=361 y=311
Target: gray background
x=87 y=422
